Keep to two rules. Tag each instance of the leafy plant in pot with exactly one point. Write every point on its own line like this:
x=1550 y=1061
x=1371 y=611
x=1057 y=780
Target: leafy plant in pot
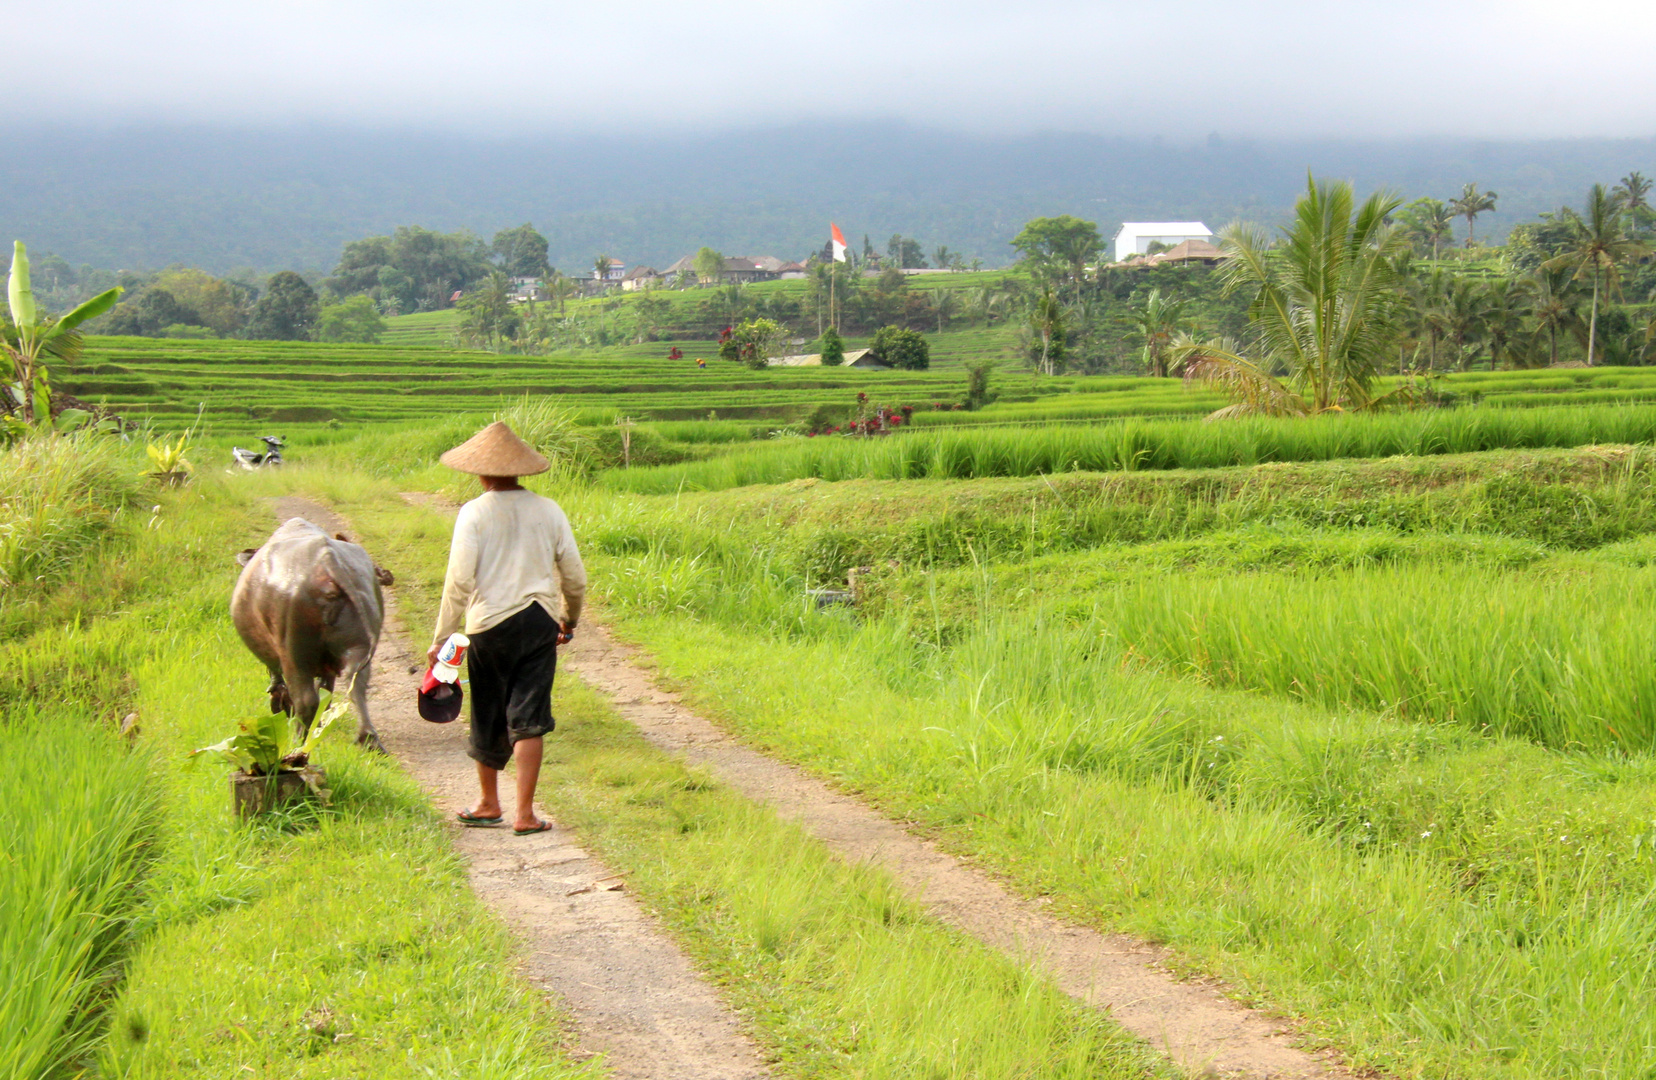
x=268 y=774
x=171 y=468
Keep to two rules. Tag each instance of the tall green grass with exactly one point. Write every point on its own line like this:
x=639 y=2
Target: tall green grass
x=1368 y=875
x=1138 y=445
x=79 y=817
x=1566 y=658
x=78 y=827
x=59 y=498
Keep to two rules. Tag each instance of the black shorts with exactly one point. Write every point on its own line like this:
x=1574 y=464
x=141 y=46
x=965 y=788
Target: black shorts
x=511 y=667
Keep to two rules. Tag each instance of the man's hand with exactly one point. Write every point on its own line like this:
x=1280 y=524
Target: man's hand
x=431 y=655
x=565 y=633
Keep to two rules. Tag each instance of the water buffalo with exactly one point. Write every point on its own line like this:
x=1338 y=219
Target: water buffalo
x=309 y=605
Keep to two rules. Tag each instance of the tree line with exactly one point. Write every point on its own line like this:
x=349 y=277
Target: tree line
x=1577 y=285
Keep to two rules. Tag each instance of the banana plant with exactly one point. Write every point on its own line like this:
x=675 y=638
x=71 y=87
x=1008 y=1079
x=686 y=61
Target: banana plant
x=33 y=336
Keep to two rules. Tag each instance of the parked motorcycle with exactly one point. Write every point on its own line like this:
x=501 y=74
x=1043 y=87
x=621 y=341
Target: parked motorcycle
x=250 y=460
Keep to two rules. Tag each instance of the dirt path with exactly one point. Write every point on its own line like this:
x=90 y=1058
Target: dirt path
x=1197 y=1026
x=635 y=997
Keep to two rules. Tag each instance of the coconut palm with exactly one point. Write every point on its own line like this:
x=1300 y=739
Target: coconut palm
x=601 y=268
x=1466 y=312
x=1599 y=244
x=1427 y=307
x=1158 y=322
x=1046 y=327
x=1429 y=221
x=1632 y=192
x=1507 y=308
x=1556 y=306
x=1471 y=203
x=945 y=302
x=1325 y=308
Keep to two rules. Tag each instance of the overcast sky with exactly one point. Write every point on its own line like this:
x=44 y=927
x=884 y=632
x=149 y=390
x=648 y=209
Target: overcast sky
x=1179 y=68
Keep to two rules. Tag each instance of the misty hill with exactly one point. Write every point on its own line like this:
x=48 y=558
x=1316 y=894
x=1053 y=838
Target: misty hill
x=289 y=198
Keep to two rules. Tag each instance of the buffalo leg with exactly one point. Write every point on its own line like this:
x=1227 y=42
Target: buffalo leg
x=302 y=693
x=278 y=691
x=366 y=735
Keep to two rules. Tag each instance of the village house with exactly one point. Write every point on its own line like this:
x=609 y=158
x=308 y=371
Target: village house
x=615 y=272
x=743 y=268
x=1191 y=251
x=640 y=277
x=1135 y=237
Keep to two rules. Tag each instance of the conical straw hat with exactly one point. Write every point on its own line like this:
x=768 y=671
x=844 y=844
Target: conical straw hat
x=496 y=451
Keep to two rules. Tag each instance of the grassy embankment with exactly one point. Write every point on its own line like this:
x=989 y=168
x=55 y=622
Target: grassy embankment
x=1077 y=680
x=142 y=931
x=1140 y=445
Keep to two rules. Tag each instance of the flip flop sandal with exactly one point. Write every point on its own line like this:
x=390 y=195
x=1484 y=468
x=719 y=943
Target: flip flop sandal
x=539 y=826
x=472 y=821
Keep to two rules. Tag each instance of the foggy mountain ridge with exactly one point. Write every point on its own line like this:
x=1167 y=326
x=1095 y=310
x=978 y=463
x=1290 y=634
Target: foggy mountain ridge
x=278 y=198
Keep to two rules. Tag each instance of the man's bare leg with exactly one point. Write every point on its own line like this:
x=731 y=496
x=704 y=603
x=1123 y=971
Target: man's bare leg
x=526 y=753
x=488 y=782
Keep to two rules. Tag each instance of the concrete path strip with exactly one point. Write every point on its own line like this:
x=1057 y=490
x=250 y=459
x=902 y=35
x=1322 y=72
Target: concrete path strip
x=635 y=997
x=1203 y=1031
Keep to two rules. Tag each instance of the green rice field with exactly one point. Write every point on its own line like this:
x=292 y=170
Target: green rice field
x=300 y=385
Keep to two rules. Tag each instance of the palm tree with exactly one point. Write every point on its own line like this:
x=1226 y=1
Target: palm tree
x=1467 y=317
x=1427 y=304
x=1429 y=221
x=1159 y=321
x=1506 y=308
x=1325 y=308
x=1555 y=306
x=1046 y=324
x=1598 y=246
x=1471 y=203
x=601 y=268
x=946 y=302
x=944 y=258
x=552 y=284
x=1631 y=192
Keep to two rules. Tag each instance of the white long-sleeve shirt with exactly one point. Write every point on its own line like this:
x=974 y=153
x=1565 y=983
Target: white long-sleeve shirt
x=510 y=549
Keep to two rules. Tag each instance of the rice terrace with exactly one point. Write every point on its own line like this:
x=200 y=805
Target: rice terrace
x=1080 y=643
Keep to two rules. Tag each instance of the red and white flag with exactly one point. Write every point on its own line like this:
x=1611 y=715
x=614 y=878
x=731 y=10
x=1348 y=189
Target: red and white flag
x=839 y=242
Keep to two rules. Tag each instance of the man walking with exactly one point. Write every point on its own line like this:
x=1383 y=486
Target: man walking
x=515 y=585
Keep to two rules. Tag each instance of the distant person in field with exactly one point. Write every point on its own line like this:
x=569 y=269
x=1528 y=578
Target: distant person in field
x=700 y=363
x=515 y=586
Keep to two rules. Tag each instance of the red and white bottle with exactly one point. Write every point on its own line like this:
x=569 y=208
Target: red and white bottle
x=446 y=671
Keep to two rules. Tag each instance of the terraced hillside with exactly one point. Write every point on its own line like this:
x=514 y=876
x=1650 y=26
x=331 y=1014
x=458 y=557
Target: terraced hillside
x=303 y=382
x=306 y=383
